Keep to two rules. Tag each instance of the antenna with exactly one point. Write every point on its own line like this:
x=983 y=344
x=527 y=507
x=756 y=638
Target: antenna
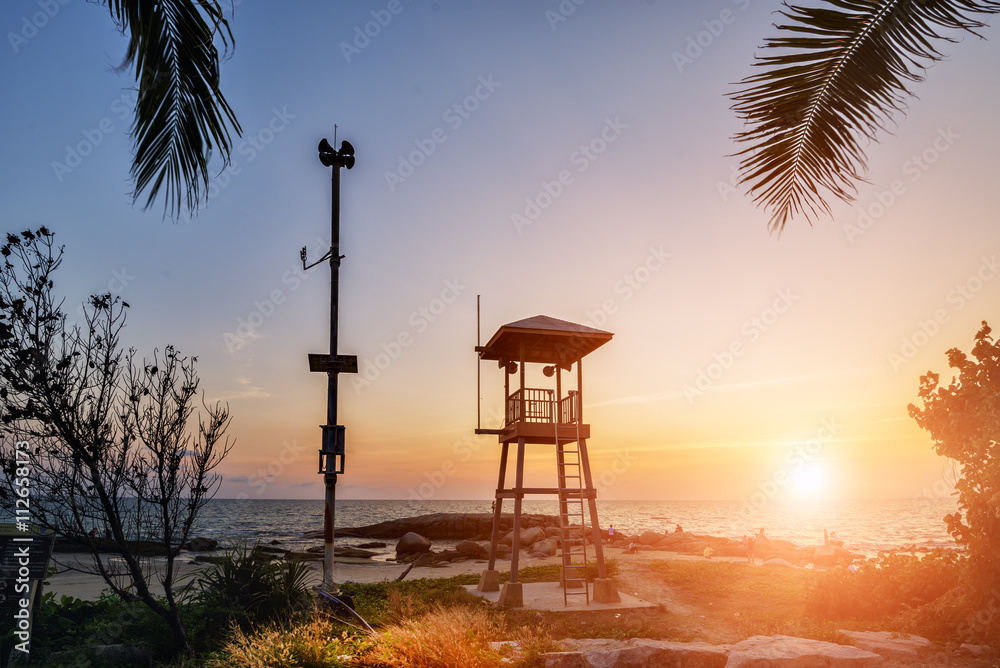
x=479 y=366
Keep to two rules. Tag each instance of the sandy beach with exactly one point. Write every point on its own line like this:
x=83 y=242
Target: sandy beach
x=87 y=586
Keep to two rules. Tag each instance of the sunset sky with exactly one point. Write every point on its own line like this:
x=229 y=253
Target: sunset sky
x=613 y=121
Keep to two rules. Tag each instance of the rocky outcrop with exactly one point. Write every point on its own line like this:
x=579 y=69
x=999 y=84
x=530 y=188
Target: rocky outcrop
x=891 y=646
x=637 y=652
x=546 y=547
x=473 y=550
x=829 y=555
x=779 y=651
x=443 y=526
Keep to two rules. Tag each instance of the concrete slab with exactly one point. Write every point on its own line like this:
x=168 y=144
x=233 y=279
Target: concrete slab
x=549 y=596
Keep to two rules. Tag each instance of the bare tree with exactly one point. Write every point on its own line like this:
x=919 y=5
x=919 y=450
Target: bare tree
x=109 y=435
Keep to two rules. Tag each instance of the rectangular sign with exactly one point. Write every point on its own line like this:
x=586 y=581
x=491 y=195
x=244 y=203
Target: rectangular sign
x=333 y=363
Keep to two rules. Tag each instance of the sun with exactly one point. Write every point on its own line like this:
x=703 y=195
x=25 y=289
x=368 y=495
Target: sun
x=810 y=481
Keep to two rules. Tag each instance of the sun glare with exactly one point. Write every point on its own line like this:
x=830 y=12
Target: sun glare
x=810 y=481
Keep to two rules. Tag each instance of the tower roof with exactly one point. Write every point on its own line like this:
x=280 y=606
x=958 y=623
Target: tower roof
x=546 y=340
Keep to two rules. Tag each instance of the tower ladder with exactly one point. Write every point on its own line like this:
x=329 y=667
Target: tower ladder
x=571 y=518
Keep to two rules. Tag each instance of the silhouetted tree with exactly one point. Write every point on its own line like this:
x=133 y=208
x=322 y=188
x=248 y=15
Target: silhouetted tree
x=963 y=418
x=834 y=76
x=109 y=438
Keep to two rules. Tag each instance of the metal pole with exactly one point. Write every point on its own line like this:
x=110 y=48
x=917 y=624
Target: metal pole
x=330 y=476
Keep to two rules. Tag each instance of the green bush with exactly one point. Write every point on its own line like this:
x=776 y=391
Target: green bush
x=879 y=588
x=246 y=586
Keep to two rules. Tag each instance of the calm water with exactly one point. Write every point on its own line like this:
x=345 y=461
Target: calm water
x=865 y=526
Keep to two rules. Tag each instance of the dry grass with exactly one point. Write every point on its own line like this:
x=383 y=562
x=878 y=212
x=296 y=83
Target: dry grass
x=311 y=644
x=454 y=638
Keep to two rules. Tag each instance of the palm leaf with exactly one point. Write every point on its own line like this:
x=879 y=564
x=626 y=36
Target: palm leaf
x=836 y=74
x=181 y=114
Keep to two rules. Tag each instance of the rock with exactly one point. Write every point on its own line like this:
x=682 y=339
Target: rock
x=209 y=559
x=975 y=650
x=300 y=556
x=546 y=547
x=503 y=552
x=411 y=543
x=275 y=542
x=426 y=559
x=449 y=556
x=649 y=538
x=779 y=562
x=637 y=652
x=891 y=646
x=202 y=544
x=828 y=555
x=473 y=550
x=531 y=536
x=353 y=552
x=443 y=526
x=784 y=651
x=370 y=546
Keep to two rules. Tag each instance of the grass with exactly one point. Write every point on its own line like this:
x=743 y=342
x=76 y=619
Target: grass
x=436 y=622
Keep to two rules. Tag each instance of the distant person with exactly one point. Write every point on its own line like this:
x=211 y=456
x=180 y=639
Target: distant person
x=760 y=533
x=708 y=552
x=632 y=549
x=92 y=533
x=750 y=544
x=493 y=507
x=611 y=534
x=678 y=529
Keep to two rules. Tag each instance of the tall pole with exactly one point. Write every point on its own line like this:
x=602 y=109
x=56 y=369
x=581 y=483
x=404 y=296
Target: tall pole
x=333 y=446
x=330 y=476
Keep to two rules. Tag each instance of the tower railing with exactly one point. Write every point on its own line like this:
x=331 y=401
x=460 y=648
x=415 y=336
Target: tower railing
x=539 y=405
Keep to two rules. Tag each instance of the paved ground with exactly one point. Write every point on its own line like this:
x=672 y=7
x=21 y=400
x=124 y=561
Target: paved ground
x=549 y=596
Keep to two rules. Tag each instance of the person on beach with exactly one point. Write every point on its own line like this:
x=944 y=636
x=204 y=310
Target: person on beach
x=678 y=529
x=750 y=542
x=611 y=534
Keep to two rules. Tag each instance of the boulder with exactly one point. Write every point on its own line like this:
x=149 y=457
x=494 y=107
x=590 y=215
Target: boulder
x=450 y=556
x=531 y=536
x=784 y=651
x=426 y=559
x=353 y=552
x=828 y=556
x=412 y=543
x=891 y=646
x=473 y=550
x=205 y=544
x=649 y=538
x=779 y=562
x=637 y=652
x=546 y=547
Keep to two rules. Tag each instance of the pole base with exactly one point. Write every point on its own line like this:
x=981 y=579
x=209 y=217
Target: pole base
x=605 y=591
x=489 y=581
x=511 y=596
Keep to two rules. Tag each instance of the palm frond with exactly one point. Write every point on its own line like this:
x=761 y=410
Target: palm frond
x=181 y=114
x=836 y=74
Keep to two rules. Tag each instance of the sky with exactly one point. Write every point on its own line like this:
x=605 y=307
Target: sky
x=570 y=159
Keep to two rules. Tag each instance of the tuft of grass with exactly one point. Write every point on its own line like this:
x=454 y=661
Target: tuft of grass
x=456 y=637
x=312 y=643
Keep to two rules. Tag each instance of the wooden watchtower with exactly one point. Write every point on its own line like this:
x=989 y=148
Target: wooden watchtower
x=547 y=417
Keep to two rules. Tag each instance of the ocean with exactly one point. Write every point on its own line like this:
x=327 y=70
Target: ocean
x=866 y=526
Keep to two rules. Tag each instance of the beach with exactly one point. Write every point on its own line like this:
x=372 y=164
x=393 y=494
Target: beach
x=90 y=587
